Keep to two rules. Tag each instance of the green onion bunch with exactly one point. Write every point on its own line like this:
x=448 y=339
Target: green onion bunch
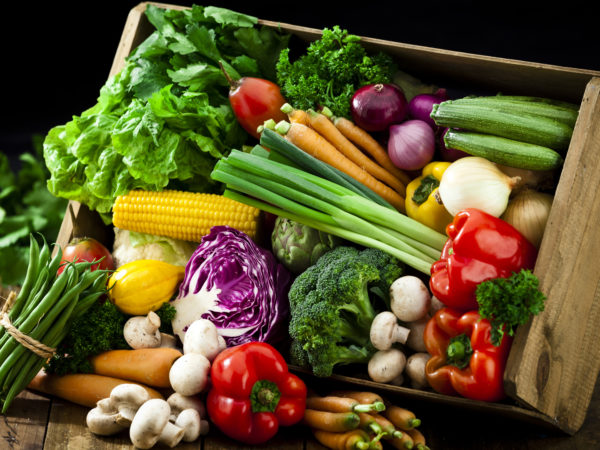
x=297 y=194
x=43 y=311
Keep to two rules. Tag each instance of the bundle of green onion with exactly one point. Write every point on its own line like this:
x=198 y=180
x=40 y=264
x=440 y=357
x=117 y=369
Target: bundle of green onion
x=297 y=194
x=41 y=314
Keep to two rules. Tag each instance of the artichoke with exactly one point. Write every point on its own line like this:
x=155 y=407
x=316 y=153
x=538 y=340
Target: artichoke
x=299 y=246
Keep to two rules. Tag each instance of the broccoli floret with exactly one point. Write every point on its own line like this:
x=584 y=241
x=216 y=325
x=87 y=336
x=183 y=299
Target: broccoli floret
x=331 y=310
x=389 y=270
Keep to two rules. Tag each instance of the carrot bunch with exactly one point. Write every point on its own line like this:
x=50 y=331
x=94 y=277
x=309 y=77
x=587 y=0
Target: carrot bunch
x=345 y=146
x=359 y=420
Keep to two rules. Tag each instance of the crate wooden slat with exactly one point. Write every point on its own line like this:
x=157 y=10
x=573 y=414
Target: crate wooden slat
x=555 y=361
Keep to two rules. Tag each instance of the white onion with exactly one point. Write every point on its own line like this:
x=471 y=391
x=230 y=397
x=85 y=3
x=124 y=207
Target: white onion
x=411 y=144
x=474 y=182
x=528 y=212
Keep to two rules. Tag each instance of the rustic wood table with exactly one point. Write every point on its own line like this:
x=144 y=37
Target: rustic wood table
x=40 y=422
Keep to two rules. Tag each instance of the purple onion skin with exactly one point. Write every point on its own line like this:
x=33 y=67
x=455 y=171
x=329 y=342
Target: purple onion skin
x=421 y=105
x=377 y=106
x=411 y=144
x=448 y=154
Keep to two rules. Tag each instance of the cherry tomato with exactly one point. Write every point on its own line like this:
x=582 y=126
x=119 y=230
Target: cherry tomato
x=255 y=100
x=87 y=249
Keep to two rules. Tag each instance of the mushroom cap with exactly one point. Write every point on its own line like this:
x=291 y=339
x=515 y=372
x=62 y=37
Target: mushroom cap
x=202 y=337
x=385 y=365
x=148 y=423
x=179 y=402
x=385 y=331
x=190 y=421
x=410 y=299
x=189 y=374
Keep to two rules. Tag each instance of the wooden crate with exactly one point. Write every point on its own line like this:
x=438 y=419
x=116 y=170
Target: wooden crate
x=555 y=360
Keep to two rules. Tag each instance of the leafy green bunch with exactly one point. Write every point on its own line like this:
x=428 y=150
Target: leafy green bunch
x=26 y=206
x=165 y=119
x=330 y=71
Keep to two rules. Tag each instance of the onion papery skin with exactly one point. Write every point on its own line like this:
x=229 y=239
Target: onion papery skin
x=411 y=144
x=375 y=107
x=421 y=105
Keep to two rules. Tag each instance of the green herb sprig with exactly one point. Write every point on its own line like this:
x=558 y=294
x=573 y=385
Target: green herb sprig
x=509 y=302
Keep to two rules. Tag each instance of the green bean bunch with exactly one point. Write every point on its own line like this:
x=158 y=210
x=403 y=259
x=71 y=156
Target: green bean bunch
x=44 y=309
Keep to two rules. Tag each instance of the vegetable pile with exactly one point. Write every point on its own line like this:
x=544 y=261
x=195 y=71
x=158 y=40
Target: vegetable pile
x=373 y=226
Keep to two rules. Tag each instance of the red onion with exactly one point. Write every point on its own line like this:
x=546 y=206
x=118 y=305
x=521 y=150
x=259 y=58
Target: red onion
x=411 y=144
x=421 y=105
x=377 y=106
x=449 y=154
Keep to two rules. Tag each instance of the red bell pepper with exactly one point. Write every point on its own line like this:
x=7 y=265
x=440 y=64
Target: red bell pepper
x=480 y=247
x=463 y=359
x=253 y=393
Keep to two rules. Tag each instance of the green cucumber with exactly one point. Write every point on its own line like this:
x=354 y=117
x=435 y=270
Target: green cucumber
x=503 y=151
x=530 y=128
x=516 y=104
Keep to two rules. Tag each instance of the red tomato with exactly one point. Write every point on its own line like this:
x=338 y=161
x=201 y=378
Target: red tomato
x=255 y=100
x=88 y=249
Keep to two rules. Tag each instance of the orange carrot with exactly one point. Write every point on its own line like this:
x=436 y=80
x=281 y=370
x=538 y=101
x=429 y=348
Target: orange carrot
x=333 y=403
x=387 y=427
x=295 y=115
x=350 y=440
x=84 y=389
x=403 y=442
x=316 y=145
x=149 y=366
x=364 y=140
x=418 y=439
x=330 y=421
x=401 y=417
x=325 y=127
x=360 y=396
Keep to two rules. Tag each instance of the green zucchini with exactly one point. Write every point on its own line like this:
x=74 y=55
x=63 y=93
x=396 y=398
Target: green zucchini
x=515 y=104
x=503 y=151
x=530 y=128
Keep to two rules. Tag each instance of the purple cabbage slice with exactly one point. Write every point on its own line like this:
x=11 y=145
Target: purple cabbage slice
x=238 y=286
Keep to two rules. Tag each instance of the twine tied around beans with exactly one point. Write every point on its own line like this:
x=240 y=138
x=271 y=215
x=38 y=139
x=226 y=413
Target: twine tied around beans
x=43 y=351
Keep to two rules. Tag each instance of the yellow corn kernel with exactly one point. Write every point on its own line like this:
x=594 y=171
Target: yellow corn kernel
x=182 y=215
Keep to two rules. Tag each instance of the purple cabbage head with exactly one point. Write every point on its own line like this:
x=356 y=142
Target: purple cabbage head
x=237 y=285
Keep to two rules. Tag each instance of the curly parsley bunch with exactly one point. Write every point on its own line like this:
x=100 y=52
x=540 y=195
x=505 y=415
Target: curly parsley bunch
x=330 y=71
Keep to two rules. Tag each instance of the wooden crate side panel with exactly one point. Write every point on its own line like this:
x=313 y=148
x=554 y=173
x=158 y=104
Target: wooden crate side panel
x=556 y=359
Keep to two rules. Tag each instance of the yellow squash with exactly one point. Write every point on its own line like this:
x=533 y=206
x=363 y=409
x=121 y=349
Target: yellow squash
x=139 y=287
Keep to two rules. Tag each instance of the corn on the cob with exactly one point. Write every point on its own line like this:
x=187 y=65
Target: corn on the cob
x=182 y=215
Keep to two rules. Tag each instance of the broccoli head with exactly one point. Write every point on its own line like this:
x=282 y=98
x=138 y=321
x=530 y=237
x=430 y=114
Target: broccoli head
x=331 y=309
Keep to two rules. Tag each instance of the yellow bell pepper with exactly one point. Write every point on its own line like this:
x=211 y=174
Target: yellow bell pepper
x=421 y=202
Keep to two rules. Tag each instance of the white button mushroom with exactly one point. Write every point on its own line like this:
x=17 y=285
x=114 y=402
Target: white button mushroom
x=179 y=402
x=189 y=374
x=415 y=369
x=116 y=412
x=151 y=425
x=202 y=337
x=409 y=298
x=142 y=331
x=415 y=339
x=193 y=425
x=386 y=365
x=104 y=419
x=385 y=331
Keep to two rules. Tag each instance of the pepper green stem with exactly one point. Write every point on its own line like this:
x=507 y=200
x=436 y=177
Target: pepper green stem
x=265 y=396
x=459 y=351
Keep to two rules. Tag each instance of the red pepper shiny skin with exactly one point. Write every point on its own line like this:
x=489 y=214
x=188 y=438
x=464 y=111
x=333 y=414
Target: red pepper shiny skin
x=480 y=247
x=255 y=100
x=233 y=402
x=482 y=379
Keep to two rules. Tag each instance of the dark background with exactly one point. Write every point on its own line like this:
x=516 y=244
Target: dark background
x=57 y=56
